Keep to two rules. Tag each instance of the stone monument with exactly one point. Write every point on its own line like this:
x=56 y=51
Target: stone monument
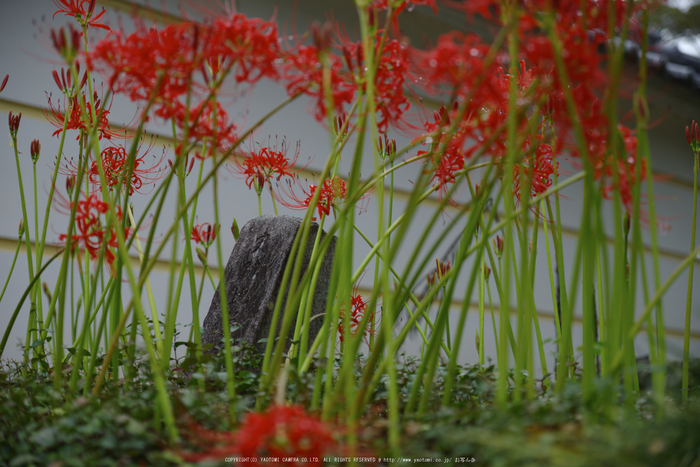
x=253 y=276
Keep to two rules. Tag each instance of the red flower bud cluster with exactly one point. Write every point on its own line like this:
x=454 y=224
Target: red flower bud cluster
x=67 y=43
x=692 y=135
x=439 y=272
x=14 y=124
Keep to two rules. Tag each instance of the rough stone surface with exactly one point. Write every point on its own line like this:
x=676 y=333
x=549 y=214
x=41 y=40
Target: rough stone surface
x=252 y=277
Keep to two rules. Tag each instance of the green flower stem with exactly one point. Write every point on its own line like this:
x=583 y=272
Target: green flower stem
x=428 y=367
x=274 y=203
x=228 y=351
x=41 y=243
x=689 y=297
x=301 y=326
x=477 y=271
x=493 y=314
x=78 y=346
x=158 y=377
x=90 y=373
x=27 y=237
x=642 y=113
x=535 y=315
x=482 y=293
x=12 y=268
x=18 y=308
x=36 y=294
x=149 y=291
x=617 y=361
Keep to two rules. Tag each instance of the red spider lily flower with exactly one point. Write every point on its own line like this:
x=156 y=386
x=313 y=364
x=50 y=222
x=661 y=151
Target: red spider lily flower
x=76 y=9
x=207 y=122
x=4 y=82
x=538 y=166
x=358 y=310
x=399 y=6
x=114 y=162
x=391 y=100
x=281 y=431
x=332 y=194
x=261 y=166
x=204 y=234
x=76 y=120
x=389 y=80
x=90 y=232
x=302 y=72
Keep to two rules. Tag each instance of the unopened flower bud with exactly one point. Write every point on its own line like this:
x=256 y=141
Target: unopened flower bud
x=66 y=43
x=234 y=229
x=20 y=231
x=487 y=272
x=70 y=184
x=321 y=35
x=35 y=149
x=4 y=82
x=45 y=286
x=14 y=124
x=202 y=256
x=430 y=278
x=387 y=147
x=498 y=243
x=371 y=17
x=445 y=116
x=191 y=165
x=339 y=125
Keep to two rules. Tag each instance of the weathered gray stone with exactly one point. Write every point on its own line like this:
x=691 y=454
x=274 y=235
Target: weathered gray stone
x=252 y=277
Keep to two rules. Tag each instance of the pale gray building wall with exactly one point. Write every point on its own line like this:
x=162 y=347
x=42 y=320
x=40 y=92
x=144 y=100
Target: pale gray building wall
x=26 y=54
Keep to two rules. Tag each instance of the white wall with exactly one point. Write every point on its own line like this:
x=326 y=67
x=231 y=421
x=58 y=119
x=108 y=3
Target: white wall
x=26 y=54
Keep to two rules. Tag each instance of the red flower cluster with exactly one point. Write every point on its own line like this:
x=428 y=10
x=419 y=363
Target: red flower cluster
x=261 y=166
x=456 y=65
x=89 y=232
x=169 y=66
x=76 y=120
x=76 y=9
x=281 y=431
x=303 y=73
x=358 y=309
x=332 y=194
x=114 y=162
x=536 y=168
